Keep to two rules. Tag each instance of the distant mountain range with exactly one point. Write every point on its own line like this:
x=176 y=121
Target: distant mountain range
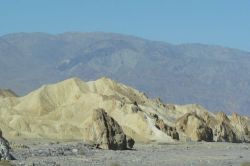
x=216 y=77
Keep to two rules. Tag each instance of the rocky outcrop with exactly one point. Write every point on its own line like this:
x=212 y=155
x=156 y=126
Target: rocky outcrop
x=222 y=129
x=130 y=142
x=161 y=125
x=135 y=108
x=218 y=128
x=194 y=127
x=223 y=133
x=4 y=148
x=240 y=125
x=105 y=132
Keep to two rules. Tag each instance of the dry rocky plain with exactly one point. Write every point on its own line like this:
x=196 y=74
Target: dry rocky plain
x=54 y=153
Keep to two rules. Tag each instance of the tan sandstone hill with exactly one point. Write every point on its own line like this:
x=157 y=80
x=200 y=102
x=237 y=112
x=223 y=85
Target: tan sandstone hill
x=66 y=110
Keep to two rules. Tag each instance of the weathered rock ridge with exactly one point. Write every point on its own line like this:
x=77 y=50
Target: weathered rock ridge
x=71 y=110
x=105 y=132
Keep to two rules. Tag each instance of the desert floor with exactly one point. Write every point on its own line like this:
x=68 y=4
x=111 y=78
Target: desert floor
x=53 y=153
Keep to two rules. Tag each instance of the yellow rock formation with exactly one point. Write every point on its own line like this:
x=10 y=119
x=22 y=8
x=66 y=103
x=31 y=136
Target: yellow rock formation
x=62 y=111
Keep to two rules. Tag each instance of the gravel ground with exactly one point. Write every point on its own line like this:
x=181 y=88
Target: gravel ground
x=180 y=154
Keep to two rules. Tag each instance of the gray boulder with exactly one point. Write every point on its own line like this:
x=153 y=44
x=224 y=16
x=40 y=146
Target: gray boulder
x=105 y=132
x=4 y=148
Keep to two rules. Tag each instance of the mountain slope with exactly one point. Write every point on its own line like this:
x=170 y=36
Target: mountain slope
x=213 y=76
x=7 y=93
x=65 y=110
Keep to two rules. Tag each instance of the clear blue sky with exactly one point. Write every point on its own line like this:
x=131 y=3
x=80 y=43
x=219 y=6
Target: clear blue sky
x=222 y=22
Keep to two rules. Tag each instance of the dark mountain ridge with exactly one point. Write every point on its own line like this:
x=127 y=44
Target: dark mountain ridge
x=214 y=76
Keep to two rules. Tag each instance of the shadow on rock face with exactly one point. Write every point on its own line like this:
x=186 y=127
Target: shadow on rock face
x=218 y=128
x=106 y=133
x=194 y=127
